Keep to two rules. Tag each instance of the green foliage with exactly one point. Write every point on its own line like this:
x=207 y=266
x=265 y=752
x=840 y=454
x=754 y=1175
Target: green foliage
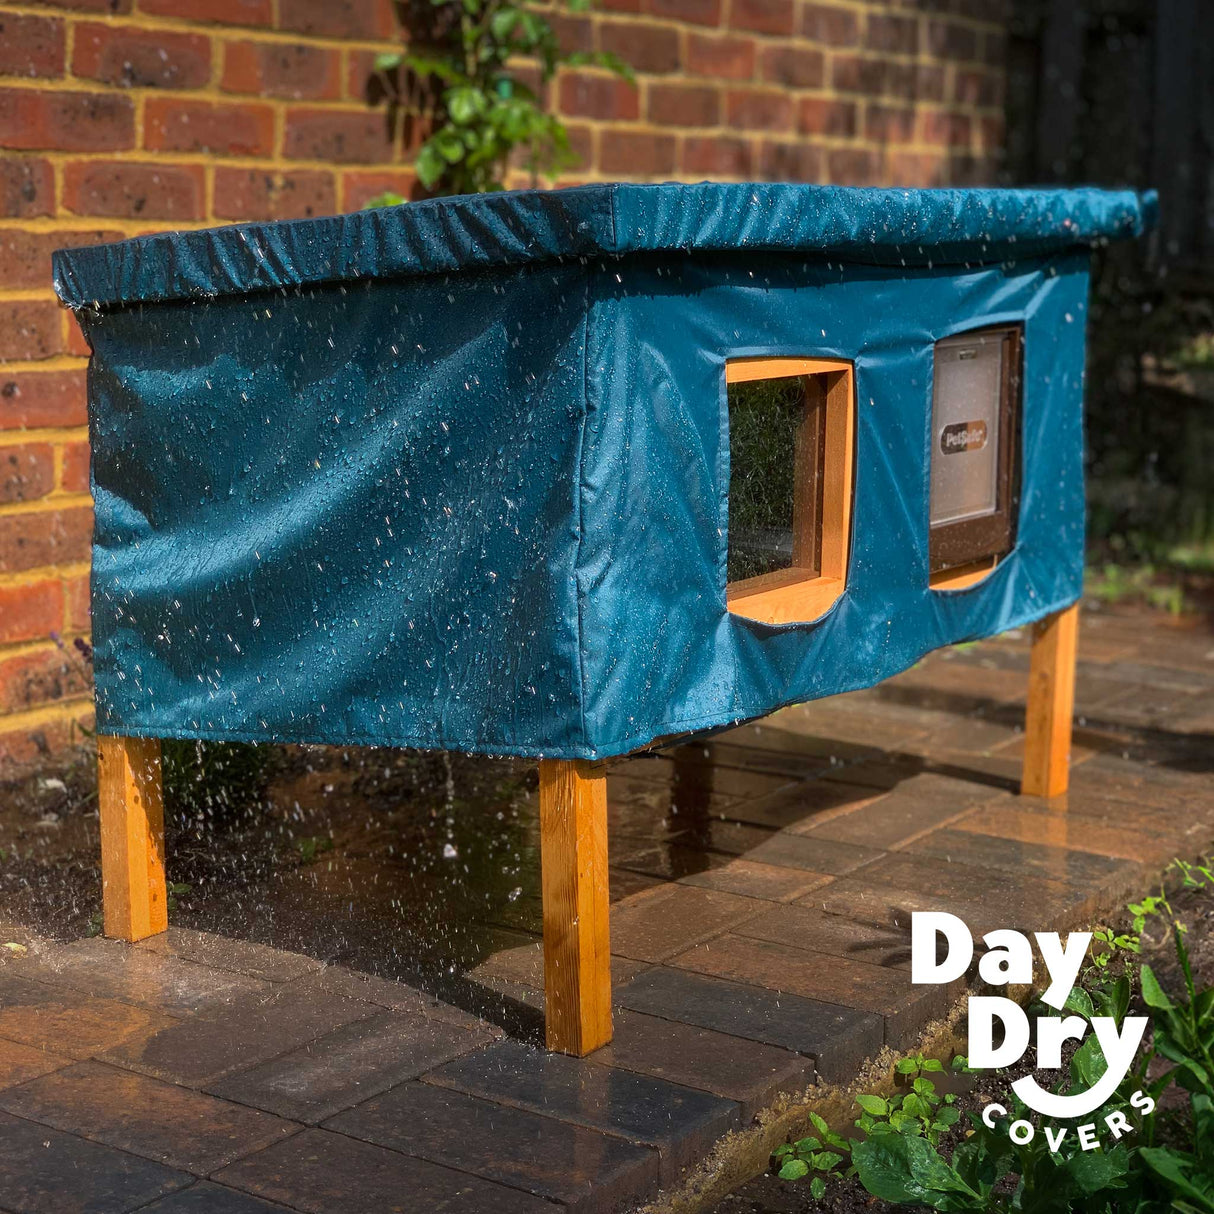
x=312 y=846
x=1188 y=1175
x=901 y=1161
x=464 y=63
x=821 y=1156
x=213 y=780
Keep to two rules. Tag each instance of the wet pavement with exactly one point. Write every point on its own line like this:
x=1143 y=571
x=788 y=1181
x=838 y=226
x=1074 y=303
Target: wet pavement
x=344 y=1016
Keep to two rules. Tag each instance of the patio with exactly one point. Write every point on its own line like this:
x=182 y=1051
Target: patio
x=762 y=883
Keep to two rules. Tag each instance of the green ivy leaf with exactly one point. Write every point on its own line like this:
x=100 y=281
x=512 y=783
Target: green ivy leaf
x=873 y=1105
x=817 y=1188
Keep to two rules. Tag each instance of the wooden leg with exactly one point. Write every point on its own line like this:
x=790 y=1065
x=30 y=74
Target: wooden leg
x=1051 y=702
x=577 y=951
x=132 y=837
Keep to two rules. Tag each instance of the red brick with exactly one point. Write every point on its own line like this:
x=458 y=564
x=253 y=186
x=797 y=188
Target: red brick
x=27 y=472
x=819 y=116
x=917 y=169
x=360 y=186
x=54 y=537
x=32 y=679
x=337 y=18
x=31 y=46
x=27 y=187
x=30 y=747
x=76 y=342
x=916 y=82
x=991 y=133
x=856 y=74
x=134 y=191
x=275 y=69
x=29 y=330
x=750 y=109
x=684 y=105
x=723 y=58
x=598 y=97
x=114 y=8
x=77 y=604
x=695 y=12
x=945 y=128
x=29 y=612
x=70 y=122
x=25 y=257
x=345 y=138
x=974 y=87
x=652 y=49
x=831 y=25
x=636 y=153
x=139 y=58
x=854 y=166
x=574 y=33
x=794 y=67
x=30 y=399
x=223 y=12
x=762 y=16
x=889 y=124
x=621 y=6
x=264 y=194
x=887 y=32
x=170 y=125
x=715 y=156
x=75 y=476
x=790 y=162
x=947 y=40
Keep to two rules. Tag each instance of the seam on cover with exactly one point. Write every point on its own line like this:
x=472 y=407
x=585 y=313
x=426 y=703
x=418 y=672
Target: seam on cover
x=581 y=515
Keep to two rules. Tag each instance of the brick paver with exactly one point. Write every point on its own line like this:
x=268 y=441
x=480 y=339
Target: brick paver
x=762 y=886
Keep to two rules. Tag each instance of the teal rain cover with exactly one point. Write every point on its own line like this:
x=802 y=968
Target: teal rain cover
x=455 y=474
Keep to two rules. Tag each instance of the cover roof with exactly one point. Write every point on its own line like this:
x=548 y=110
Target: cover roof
x=872 y=226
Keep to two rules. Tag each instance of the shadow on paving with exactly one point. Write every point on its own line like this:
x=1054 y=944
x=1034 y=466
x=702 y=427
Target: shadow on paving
x=343 y=1016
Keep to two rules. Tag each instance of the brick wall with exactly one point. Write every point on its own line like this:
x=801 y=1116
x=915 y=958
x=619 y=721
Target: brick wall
x=119 y=117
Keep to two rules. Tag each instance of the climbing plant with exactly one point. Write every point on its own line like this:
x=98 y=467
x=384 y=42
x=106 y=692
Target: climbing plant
x=470 y=70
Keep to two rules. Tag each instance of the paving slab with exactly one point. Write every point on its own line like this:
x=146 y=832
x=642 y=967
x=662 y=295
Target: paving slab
x=347 y=1065
x=44 y=1171
x=916 y=805
x=808 y=927
x=734 y=1068
x=584 y=1169
x=905 y=1009
x=237 y=956
x=804 y=801
x=144 y=1116
x=838 y=1039
x=63 y=1021
x=160 y=980
x=1099 y=874
x=814 y=852
x=753 y=879
x=1060 y=827
x=682 y=1123
x=655 y=925
x=202 y=1049
x=208 y=1198
x=319 y=1172
x=21 y=1063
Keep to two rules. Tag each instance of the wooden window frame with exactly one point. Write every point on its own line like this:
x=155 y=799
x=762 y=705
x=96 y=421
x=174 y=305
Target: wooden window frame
x=821 y=520
x=962 y=553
